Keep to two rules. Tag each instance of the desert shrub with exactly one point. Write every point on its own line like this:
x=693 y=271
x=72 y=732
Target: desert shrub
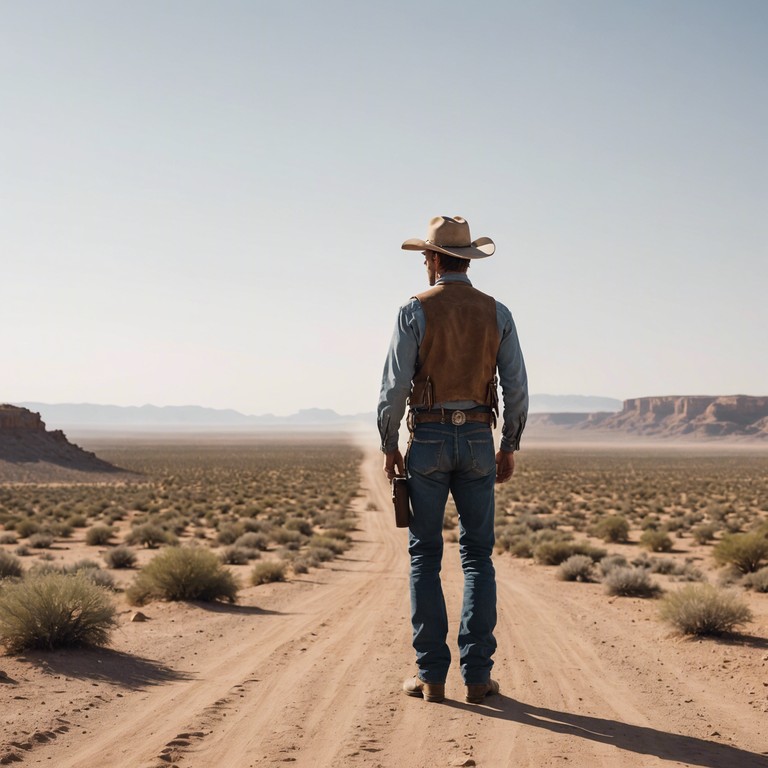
x=317 y=555
x=287 y=538
x=256 y=526
x=150 y=535
x=337 y=533
x=703 y=534
x=97 y=576
x=576 y=568
x=26 y=528
x=300 y=564
x=120 y=557
x=758 y=580
x=746 y=551
x=701 y=609
x=337 y=546
x=98 y=535
x=612 y=529
x=666 y=566
x=253 y=540
x=183 y=573
x=53 y=611
x=521 y=547
x=267 y=571
x=40 y=541
x=629 y=582
x=299 y=524
x=10 y=566
x=8 y=538
x=689 y=572
x=235 y=555
x=609 y=562
x=556 y=552
x=228 y=534
x=77 y=521
x=22 y=550
x=656 y=541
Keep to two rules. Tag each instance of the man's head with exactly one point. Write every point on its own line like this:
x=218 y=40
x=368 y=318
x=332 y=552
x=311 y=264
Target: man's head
x=438 y=264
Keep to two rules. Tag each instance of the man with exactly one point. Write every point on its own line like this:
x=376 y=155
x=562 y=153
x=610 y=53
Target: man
x=447 y=346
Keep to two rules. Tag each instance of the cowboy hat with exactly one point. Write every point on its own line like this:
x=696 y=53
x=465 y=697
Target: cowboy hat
x=451 y=236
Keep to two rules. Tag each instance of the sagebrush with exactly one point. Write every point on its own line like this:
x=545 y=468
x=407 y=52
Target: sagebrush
x=701 y=609
x=54 y=610
x=183 y=573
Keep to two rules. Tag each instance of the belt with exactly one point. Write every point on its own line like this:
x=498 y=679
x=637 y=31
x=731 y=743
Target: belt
x=455 y=417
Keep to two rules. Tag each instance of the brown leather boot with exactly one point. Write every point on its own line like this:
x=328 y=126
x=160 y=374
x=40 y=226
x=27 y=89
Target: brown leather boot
x=477 y=693
x=415 y=686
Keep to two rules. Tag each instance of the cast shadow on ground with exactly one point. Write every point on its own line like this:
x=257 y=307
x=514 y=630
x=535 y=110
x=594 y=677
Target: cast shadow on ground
x=748 y=641
x=108 y=666
x=242 y=610
x=642 y=740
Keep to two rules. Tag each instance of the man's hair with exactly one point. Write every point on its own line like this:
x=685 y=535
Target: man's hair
x=453 y=263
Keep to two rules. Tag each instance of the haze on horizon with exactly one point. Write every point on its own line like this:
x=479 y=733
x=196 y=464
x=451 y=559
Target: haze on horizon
x=203 y=203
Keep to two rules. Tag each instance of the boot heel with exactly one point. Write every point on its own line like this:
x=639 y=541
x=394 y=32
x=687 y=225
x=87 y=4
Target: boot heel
x=434 y=692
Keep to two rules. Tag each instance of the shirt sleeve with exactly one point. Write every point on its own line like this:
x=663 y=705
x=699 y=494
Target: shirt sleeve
x=399 y=369
x=513 y=379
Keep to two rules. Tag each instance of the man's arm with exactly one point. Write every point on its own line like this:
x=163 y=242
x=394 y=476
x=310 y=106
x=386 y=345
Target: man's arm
x=514 y=386
x=399 y=368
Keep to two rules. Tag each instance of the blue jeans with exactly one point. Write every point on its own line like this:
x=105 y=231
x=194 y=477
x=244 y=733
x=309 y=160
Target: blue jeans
x=462 y=460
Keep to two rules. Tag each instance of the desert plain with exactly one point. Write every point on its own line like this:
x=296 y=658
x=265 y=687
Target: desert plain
x=307 y=671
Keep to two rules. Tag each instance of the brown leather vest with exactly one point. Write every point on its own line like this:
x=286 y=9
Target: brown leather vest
x=457 y=357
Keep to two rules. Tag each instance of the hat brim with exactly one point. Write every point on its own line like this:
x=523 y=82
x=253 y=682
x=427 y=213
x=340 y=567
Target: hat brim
x=479 y=249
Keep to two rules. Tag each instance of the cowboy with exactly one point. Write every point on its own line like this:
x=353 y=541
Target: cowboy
x=449 y=342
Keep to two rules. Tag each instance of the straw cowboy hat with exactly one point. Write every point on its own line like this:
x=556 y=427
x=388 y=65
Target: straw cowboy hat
x=451 y=236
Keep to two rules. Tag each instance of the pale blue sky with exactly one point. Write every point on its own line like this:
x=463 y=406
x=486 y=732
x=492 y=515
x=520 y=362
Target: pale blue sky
x=203 y=202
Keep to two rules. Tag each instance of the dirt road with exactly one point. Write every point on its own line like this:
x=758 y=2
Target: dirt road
x=309 y=674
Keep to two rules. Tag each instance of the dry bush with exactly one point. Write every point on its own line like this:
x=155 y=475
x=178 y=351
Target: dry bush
x=337 y=546
x=40 y=541
x=150 y=535
x=612 y=529
x=758 y=581
x=26 y=528
x=99 y=535
x=701 y=609
x=183 y=573
x=745 y=551
x=53 y=611
x=703 y=534
x=235 y=555
x=656 y=541
x=630 y=582
x=10 y=566
x=120 y=557
x=8 y=538
x=556 y=552
x=229 y=534
x=253 y=540
x=268 y=571
x=609 y=562
x=576 y=568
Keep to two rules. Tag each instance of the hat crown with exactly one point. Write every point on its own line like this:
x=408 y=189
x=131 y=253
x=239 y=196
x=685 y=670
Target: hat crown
x=449 y=232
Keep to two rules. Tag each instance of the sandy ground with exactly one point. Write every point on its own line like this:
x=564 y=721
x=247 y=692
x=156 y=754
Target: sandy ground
x=308 y=673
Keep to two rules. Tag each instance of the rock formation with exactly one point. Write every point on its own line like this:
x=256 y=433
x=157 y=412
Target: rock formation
x=693 y=416
x=24 y=440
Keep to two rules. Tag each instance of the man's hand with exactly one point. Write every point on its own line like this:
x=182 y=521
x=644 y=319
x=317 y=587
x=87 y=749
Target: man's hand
x=393 y=464
x=505 y=466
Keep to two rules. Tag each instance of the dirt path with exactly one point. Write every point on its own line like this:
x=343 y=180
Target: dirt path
x=309 y=674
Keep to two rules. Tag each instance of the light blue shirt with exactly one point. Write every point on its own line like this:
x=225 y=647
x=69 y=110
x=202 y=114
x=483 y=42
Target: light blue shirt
x=400 y=368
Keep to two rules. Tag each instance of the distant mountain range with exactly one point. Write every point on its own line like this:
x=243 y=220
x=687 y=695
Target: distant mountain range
x=92 y=416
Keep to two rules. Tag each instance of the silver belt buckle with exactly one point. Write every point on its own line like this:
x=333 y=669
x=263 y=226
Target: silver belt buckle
x=458 y=418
